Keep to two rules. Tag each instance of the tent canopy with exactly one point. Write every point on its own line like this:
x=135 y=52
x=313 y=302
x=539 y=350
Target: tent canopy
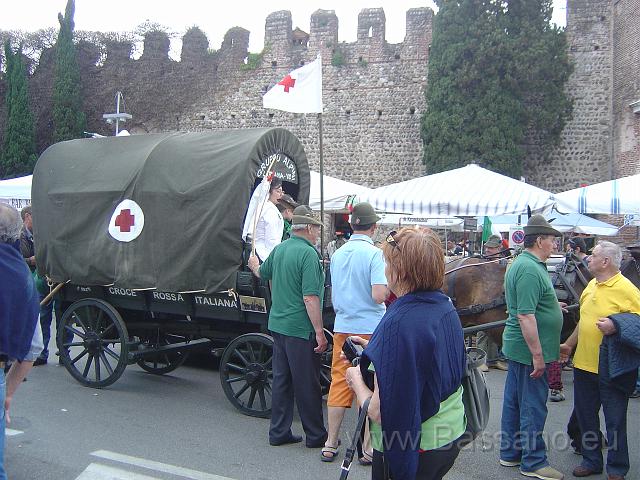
x=452 y=224
x=16 y=191
x=620 y=196
x=468 y=191
x=570 y=222
x=337 y=193
x=193 y=190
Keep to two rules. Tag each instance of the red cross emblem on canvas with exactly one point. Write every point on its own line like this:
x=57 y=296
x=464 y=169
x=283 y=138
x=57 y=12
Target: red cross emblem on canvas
x=287 y=82
x=125 y=220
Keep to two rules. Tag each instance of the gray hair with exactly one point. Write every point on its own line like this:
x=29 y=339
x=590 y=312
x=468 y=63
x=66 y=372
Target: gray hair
x=612 y=251
x=298 y=226
x=10 y=224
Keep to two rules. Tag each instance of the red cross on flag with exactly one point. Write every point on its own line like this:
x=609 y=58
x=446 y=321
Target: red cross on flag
x=127 y=221
x=298 y=92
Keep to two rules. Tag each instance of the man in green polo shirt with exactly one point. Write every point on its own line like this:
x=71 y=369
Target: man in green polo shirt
x=531 y=339
x=295 y=320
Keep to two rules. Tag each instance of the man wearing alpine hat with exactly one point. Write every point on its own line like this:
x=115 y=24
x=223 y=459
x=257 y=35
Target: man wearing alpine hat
x=295 y=320
x=531 y=339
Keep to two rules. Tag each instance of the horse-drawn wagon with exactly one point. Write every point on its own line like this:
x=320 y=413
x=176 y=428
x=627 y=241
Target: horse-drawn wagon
x=145 y=234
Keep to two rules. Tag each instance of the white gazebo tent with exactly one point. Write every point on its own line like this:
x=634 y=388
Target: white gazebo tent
x=469 y=191
x=16 y=191
x=338 y=194
x=620 y=196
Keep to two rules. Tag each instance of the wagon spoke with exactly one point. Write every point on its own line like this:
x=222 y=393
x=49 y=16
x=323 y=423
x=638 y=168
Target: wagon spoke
x=252 y=397
x=111 y=353
x=242 y=357
x=267 y=388
x=82 y=354
x=237 y=368
x=263 y=400
x=252 y=353
x=268 y=362
x=96 y=363
x=234 y=379
x=107 y=365
x=81 y=323
x=87 y=366
x=73 y=344
x=241 y=391
x=75 y=331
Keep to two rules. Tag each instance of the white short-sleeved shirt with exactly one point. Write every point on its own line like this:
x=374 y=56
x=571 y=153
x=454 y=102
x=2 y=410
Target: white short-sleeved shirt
x=268 y=230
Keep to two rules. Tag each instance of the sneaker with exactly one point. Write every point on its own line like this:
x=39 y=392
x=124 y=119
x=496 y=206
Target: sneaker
x=544 y=473
x=40 y=361
x=509 y=463
x=500 y=365
x=484 y=367
x=556 y=396
x=636 y=393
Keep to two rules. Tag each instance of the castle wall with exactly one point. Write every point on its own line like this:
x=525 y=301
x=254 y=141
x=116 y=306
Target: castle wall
x=584 y=155
x=626 y=88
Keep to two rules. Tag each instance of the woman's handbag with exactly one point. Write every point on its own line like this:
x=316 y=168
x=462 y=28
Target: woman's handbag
x=475 y=396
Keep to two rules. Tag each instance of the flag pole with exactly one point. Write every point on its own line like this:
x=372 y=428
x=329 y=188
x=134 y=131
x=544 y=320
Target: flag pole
x=321 y=188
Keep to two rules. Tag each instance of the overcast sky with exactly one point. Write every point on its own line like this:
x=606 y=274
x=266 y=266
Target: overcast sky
x=213 y=17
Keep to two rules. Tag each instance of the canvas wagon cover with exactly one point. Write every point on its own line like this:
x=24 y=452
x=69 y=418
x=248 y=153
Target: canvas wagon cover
x=193 y=189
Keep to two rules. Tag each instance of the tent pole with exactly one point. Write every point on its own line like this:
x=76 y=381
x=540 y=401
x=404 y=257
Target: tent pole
x=321 y=187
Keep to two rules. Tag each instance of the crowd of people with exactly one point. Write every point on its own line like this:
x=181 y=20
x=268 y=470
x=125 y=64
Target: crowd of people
x=389 y=300
x=411 y=369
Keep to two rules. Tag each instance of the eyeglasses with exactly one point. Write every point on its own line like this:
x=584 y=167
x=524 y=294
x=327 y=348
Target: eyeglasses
x=391 y=240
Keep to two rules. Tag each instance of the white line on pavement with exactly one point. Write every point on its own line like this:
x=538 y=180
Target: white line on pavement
x=157 y=466
x=97 y=471
x=9 y=432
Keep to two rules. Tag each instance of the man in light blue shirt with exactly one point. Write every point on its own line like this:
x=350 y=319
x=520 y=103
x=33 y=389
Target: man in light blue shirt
x=359 y=289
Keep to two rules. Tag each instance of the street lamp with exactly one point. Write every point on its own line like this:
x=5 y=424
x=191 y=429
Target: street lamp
x=118 y=116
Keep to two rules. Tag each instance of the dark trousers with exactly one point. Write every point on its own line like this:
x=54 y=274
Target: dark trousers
x=591 y=393
x=296 y=374
x=432 y=464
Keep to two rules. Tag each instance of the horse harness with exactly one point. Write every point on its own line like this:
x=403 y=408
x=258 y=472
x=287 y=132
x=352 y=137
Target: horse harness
x=478 y=308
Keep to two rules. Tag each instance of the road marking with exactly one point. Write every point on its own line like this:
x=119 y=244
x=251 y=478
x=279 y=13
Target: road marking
x=9 y=432
x=97 y=471
x=157 y=466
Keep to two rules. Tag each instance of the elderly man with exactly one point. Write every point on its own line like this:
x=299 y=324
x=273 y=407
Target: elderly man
x=359 y=289
x=20 y=340
x=531 y=339
x=608 y=293
x=295 y=321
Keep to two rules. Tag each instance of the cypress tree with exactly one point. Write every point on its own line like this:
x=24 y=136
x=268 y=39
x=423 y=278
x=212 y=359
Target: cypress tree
x=68 y=116
x=19 y=152
x=489 y=84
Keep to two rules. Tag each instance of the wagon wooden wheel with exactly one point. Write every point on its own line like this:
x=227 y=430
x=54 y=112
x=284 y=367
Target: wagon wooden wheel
x=326 y=359
x=161 y=362
x=92 y=340
x=246 y=373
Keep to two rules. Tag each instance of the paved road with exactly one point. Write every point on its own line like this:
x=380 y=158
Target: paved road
x=181 y=426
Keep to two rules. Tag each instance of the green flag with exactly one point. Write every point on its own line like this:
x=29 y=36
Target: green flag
x=486 y=229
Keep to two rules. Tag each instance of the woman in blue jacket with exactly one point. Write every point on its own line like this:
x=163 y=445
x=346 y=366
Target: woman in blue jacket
x=418 y=356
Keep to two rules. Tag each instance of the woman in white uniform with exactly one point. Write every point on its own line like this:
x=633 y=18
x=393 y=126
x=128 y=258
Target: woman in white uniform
x=270 y=223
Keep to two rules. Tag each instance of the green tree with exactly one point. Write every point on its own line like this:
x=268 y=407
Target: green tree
x=484 y=96
x=19 y=149
x=68 y=116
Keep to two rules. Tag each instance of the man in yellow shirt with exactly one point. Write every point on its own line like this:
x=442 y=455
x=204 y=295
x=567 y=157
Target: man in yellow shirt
x=607 y=294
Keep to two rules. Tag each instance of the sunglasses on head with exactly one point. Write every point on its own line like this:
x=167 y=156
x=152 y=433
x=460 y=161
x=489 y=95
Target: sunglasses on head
x=391 y=239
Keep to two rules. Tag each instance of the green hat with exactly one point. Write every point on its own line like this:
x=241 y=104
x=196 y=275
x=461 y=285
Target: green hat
x=303 y=215
x=493 y=241
x=537 y=225
x=363 y=214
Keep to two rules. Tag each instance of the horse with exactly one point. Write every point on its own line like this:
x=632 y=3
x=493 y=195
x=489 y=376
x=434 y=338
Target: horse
x=476 y=288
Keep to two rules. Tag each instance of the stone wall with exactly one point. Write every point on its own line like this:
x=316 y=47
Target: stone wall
x=373 y=92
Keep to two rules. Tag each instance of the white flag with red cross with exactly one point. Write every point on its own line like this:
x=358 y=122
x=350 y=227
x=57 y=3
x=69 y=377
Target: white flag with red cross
x=298 y=92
